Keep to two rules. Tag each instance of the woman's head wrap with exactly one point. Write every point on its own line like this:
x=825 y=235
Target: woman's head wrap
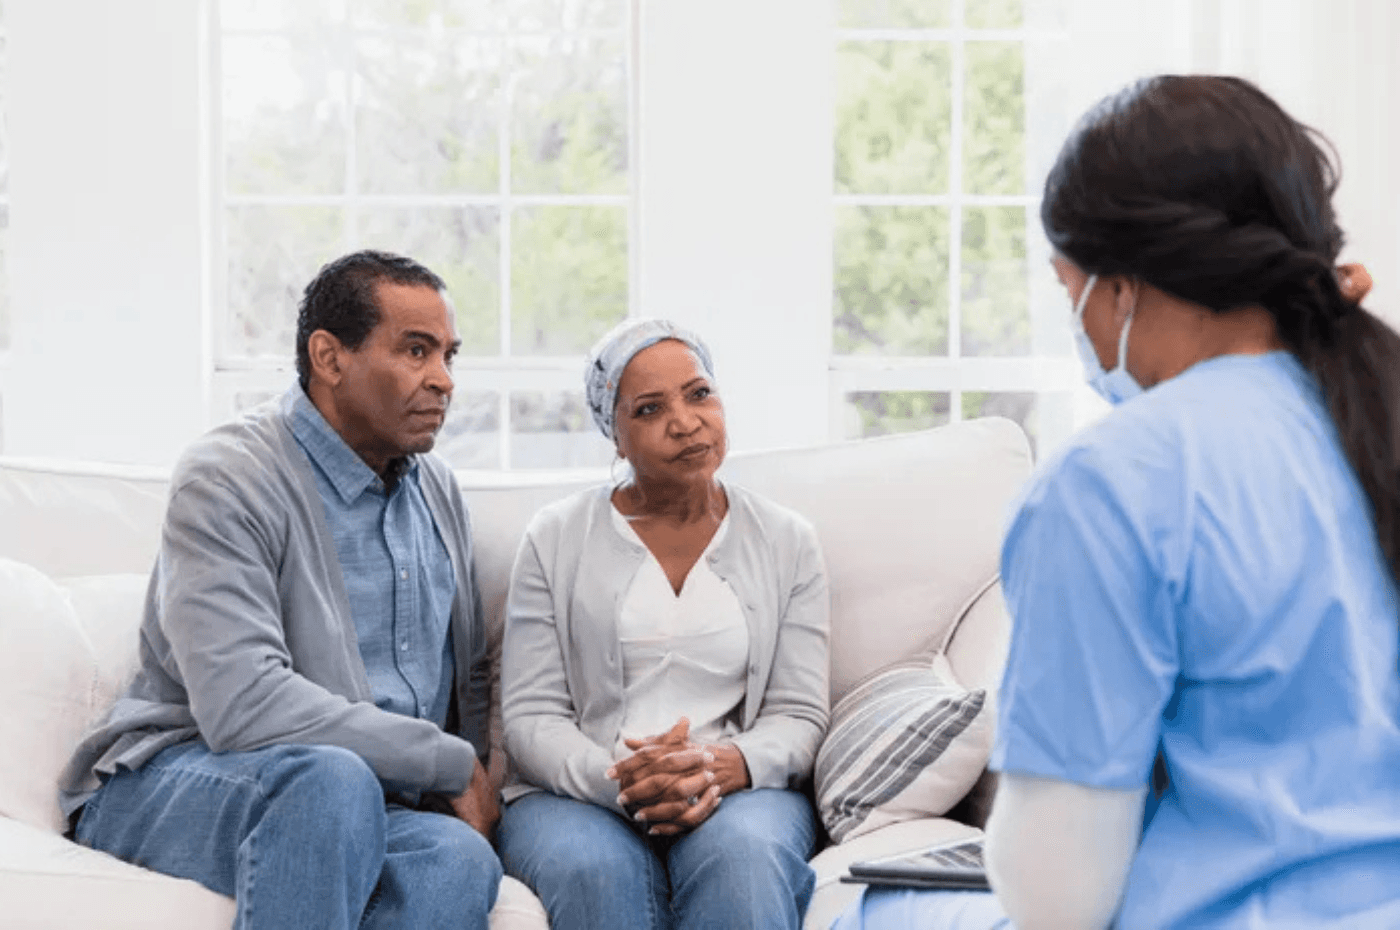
x=610 y=356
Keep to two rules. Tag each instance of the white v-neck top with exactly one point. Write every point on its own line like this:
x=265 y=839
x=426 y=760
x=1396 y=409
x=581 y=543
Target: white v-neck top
x=683 y=655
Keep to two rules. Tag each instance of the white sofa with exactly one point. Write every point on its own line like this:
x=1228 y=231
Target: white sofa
x=910 y=526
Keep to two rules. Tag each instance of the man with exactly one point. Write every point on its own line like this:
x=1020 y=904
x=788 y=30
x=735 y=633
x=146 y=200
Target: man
x=312 y=676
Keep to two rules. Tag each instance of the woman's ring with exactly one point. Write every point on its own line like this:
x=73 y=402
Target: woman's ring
x=692 y=800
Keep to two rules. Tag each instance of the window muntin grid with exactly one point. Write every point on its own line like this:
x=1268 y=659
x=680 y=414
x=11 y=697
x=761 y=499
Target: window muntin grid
x=517 y=188
x=936 y=228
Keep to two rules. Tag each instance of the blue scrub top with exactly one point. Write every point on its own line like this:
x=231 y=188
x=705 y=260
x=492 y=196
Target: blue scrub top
x=1199 y=572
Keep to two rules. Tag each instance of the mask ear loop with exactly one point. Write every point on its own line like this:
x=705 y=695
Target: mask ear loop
x=1084 y=297
x=1123 y=336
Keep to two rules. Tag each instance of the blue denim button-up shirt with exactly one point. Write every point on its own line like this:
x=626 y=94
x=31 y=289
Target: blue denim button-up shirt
x=396 y=570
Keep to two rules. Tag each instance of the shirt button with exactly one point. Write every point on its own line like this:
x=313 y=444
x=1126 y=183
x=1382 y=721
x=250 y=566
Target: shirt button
x=403 y=573
x=403 y=646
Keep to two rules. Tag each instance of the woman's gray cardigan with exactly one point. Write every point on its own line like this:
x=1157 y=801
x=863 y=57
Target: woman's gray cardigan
x=561 y=667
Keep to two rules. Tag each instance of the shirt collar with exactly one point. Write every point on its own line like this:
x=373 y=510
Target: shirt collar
x=343 y=468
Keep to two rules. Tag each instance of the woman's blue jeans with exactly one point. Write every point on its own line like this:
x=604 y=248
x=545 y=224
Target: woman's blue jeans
x=299 y=836
x=746 y=866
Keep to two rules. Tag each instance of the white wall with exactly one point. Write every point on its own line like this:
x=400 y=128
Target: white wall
x=107 y=228
x=735 y=198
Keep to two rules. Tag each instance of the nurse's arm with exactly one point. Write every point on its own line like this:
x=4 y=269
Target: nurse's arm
x=1058 y=853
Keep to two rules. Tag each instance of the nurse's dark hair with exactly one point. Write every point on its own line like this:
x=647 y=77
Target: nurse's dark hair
x=1205 y=188
x=340 y=299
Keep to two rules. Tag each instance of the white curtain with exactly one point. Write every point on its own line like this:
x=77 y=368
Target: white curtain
x=1334 y=64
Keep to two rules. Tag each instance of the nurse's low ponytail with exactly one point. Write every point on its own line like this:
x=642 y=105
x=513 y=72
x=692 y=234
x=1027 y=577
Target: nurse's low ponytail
x=1356 y=361
x=1205 y=188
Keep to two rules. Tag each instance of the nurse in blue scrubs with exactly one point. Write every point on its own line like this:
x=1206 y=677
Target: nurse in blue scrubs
x=1209 y=572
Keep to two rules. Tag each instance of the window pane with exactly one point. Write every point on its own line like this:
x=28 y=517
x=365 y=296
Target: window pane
x=461 y=244
x=993 y=14
x=434 y=14
x=995 y=310
x=569 y=117
x=550 y=15
x=470 y=438
x=273 y=253
x=994 y=150
x=894 y=14
x=877 y=413
x=280 y=14
x=568 y=277
x=891 y=281
x=553 y=429
x=284 y=116
x=1034 y=413
x=893 y=117
x=427 y=117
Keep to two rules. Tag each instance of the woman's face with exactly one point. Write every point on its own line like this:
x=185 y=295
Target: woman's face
x=670 y=422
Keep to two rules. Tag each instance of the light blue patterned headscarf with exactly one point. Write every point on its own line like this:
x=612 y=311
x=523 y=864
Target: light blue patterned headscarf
x=610 y=356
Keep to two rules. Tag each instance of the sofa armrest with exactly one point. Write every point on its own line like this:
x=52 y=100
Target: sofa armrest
x=976 y=648
x=978 y=641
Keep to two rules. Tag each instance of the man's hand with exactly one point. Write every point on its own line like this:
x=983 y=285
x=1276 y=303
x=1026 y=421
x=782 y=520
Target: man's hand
x=477 y=806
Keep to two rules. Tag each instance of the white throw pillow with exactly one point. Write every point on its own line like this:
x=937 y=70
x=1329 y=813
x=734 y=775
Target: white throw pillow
x=47 y=673
x=108 y=609
x=906 y=743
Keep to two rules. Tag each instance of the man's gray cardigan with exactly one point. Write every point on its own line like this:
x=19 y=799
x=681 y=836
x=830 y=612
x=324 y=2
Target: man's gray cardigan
x=248 y=641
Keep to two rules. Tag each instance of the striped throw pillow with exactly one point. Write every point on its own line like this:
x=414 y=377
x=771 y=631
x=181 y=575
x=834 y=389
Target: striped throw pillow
x=907 y=743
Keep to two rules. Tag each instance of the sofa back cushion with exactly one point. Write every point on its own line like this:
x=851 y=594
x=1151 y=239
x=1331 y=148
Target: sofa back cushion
x=910 y=527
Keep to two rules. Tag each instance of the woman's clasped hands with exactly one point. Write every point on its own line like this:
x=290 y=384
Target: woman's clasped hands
x=673 y=784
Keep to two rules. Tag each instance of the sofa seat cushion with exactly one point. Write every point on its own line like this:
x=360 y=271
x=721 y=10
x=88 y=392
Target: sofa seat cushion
x=832 y=896
x=47 y=881
x=905 y=744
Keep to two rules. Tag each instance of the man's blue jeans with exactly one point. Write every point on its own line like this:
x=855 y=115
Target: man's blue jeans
x=746 y=866
x=300 y=836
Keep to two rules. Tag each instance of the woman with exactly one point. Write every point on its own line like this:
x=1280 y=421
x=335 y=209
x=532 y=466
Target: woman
x=1208 y=573
x=664 y=673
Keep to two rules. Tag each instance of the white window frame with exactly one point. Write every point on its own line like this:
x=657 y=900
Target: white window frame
x=503 y=373
x=953 y=373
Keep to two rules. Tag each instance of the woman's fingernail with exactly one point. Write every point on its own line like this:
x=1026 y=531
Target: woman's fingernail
x=622 y=800
x=708 y=757
x=640 y=817
x=709 y=776
x=610 y=773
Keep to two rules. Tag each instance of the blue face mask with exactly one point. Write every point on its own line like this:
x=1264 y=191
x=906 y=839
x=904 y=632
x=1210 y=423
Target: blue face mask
x=1113 y=386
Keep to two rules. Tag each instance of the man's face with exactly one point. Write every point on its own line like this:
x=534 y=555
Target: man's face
x=393 y=394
